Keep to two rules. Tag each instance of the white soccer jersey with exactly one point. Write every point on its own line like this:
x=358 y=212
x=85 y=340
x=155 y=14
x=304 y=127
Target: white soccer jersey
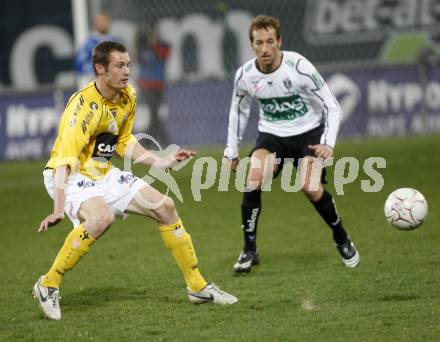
x=292 y=100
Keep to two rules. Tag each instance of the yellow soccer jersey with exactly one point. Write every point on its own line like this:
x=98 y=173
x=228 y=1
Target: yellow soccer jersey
x=91 y=129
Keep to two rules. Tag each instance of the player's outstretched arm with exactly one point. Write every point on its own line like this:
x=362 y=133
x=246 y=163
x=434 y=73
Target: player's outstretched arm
x=183 y=154
x=61 y=176
x=140 y=155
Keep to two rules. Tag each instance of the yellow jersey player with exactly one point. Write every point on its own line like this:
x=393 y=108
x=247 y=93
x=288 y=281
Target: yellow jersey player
x=79 y=176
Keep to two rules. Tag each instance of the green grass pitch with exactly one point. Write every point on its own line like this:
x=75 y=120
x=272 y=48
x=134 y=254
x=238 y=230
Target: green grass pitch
x=129 y=288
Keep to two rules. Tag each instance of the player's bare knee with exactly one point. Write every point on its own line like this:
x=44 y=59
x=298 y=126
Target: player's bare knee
x=307 y=188
x=313 y=196
x=108 y=218
x=166 y=213
x=255 y=180
x=102 y=221
x=169 y=206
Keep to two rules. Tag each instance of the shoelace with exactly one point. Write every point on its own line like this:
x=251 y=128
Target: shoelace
x=55 y=297
x=349 y=252
x=245 y=256
x=216 y=289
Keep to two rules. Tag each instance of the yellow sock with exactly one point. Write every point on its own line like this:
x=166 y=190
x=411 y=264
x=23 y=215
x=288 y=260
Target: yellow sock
x=76 y=245
x=178 y=241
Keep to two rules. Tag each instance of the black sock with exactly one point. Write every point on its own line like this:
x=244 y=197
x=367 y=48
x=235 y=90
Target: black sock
x=327 y=209
x=250 y=211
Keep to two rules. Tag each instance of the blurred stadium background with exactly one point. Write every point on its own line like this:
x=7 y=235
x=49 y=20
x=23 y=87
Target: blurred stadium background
x=379 y=57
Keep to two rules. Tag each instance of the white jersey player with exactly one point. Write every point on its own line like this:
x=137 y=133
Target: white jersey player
x=293 y=99
x=299 y=118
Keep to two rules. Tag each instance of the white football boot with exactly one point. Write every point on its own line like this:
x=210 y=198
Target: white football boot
x=48 y=298
x=211 y=294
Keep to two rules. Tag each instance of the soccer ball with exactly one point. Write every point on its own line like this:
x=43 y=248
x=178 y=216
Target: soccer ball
x=406 y=208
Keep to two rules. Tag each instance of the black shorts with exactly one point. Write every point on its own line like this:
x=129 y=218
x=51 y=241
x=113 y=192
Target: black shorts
x=295 y=146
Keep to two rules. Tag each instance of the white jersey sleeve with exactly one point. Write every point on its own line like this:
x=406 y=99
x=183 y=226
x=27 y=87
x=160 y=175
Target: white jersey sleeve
x=238 y=115
x=315 y=85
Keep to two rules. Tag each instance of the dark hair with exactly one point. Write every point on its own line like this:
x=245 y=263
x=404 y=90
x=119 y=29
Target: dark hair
x=101 y=53
x=264 y=22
